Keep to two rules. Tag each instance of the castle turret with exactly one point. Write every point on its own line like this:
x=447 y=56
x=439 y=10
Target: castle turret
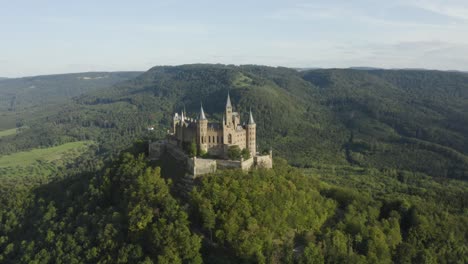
x=251 y=136
x=228 y=112
x=202 y=130
x=175 y=122
x=202 y=113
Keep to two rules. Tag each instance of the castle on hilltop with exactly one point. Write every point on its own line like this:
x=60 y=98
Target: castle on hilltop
x=212 y=138
x=216 y=138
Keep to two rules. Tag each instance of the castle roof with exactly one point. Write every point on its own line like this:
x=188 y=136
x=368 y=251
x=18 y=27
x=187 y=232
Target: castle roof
x=251 y=120
x=202 y=113
x=228 y=103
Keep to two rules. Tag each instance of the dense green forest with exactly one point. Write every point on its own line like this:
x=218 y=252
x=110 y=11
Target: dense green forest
x=376 y=170
x=401 y=119
x=36 y=97
x=124 y=211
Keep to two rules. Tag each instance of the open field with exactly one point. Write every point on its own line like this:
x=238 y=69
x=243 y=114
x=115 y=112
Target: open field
x=8 y=132
x=57 y=153
x=35 y=167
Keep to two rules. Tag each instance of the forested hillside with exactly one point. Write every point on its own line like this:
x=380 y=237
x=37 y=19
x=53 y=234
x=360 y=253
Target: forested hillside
x=378 y=164
x=401 y=119
x=37 y=90
x=124 y=212
x=33 y=97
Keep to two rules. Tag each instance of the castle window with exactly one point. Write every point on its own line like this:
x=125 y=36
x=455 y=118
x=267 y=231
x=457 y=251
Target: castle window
x=230 y=139
x=209 y=139
x=217 y=139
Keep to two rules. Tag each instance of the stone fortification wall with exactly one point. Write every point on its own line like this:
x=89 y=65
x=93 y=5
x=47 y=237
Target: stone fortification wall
x=247 y=164
x=203 y=166
x=265 y=162
x=197 y=166
x=228 y=164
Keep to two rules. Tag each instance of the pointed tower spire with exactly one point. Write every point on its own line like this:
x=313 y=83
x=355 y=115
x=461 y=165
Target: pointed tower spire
x=228 y=111
x=182 y=117
x=251 y=120
x=202 y=113
x=228 y=103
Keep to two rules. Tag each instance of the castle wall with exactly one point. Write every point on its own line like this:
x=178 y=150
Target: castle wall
x=189 y=134
x=201 y=166
x=241 y=139
x=228 y=164
x=264 y=161
x=235 y=164
x=195 y=167
x=186 y=132
x=214 y=137
x=238 y=137
x=247 y=164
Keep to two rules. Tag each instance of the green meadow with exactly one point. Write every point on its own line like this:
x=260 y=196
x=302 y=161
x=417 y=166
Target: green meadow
x=38 y=164
x=8 y=132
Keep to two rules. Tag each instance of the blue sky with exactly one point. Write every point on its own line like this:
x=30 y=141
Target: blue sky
x=43 y=37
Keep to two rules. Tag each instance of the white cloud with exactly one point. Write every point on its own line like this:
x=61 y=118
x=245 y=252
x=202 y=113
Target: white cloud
x=450 y=8
x=392 y=13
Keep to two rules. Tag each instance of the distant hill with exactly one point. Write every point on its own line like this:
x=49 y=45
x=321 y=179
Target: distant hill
x=37 y=90
x=364 y=68
x=386 y=119
x=77 y=187
x=3 y=78
x=31 y=97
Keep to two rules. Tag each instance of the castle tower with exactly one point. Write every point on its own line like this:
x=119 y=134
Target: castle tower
x=202 y=130
x=228 y=112
x=181 y=127
x=251 y=136
x=175 y=122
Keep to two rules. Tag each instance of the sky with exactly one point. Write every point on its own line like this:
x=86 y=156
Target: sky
x=47 y=37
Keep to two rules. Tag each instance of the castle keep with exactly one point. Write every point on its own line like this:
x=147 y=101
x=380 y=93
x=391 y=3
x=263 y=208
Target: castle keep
x=215 y=138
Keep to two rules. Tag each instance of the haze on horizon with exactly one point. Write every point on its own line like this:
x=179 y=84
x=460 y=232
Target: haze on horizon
x=46 y=37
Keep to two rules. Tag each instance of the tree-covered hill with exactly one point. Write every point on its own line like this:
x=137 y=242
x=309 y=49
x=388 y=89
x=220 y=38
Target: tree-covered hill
x=36 y=90
x=377 y=147
x=124 y=212
x=34 y=97
x=403 y=119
